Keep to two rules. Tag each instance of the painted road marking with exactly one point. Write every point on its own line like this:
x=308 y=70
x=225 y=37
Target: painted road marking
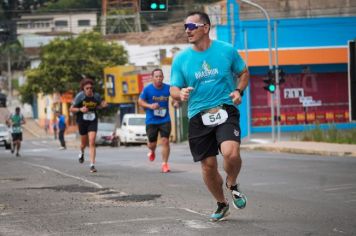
x=128 y=221
x=65 y=174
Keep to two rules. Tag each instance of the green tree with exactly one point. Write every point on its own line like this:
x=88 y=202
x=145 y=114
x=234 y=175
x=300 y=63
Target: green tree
x=14 y=52
x=65 y=61
x=72 y=4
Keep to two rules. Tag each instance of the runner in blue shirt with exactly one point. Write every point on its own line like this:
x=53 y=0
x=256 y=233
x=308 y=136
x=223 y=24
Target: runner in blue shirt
x=211 y=76
x=62 y=128
x=155 y=99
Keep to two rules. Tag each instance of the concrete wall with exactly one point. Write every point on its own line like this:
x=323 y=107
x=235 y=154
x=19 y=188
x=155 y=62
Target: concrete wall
x=307 y=32
x=299 y=8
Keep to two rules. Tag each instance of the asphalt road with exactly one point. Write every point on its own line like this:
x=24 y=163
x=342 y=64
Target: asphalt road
x=47 y=192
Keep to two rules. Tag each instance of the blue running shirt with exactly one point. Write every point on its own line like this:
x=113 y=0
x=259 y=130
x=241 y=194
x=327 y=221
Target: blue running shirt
x=212 y=73
x=161 y=96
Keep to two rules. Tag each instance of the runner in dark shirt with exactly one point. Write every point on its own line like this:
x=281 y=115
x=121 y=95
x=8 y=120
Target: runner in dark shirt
x=85 y=105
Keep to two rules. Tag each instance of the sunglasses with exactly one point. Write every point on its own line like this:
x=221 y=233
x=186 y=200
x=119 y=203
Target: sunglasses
x=193 y=26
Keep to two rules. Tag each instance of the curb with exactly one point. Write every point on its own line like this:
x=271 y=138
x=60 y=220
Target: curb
x=298 y=151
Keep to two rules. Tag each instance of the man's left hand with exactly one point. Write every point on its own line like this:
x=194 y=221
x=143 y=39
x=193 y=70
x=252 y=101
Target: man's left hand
x=103 y=104
x=236 y=97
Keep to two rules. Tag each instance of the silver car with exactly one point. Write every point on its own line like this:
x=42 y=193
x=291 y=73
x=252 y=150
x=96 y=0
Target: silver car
x=106 y=134
x=5 y=136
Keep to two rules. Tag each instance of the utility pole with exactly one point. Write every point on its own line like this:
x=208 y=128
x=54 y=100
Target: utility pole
x=270 y=57
x=278 y=93
x=103 y=17
x=9 y=74
x=130 y=6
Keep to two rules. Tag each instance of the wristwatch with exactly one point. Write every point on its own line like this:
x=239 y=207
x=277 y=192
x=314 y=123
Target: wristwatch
x=240 y=91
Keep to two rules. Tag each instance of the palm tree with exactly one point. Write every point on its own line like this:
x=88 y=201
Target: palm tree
x=11 y=53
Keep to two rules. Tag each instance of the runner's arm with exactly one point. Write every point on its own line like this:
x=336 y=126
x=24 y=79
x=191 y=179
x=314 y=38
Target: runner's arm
x=23 y=121
x=180 y=94
x=74 y=109
x=243 y=79
x=103 y=104
x=146 y=105
x=175 y=93
x=8 y=121
x=75 y=106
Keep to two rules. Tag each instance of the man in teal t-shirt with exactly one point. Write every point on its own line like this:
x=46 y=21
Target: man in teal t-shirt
x=211 y=76
x=16 y=121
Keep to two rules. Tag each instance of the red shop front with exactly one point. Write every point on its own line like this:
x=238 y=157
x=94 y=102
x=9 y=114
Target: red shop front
x=306 y=98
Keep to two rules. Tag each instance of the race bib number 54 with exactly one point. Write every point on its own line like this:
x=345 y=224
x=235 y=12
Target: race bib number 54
x=214 y=118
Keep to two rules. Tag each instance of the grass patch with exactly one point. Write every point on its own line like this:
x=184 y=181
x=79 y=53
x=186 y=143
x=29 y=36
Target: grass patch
x=331 y=135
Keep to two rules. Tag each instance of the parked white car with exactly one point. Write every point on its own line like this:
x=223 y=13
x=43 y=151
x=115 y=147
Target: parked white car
x=133 y=129
x=5 y=136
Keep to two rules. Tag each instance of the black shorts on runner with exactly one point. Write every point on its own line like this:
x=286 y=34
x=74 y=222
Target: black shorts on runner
x=16 y=136
x=205 y=141
x=85 y=127
x=152 y=131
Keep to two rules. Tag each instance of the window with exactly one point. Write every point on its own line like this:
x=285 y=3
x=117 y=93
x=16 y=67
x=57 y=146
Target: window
x=84 y=22
x=61 y=23
x=23 y=25
x=137 y=121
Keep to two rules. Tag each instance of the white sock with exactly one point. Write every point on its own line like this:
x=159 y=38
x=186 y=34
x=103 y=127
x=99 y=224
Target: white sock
x=91 y=164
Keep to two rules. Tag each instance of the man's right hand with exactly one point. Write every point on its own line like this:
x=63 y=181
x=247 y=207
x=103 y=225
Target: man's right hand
x=84 y=109
x=154 y=106
x=184 y=93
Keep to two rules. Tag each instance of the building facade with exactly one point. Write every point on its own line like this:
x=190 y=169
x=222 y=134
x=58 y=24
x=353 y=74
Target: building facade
x=72 y=22
x=313 y=53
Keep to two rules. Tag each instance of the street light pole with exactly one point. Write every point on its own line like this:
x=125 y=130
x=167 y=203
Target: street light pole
x=278 y=88
x=269 y=54
x=9 y=74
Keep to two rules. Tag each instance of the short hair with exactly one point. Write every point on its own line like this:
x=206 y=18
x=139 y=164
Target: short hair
x=202 y=15
x=17 y=109
x=86 y=81
x=157 y=69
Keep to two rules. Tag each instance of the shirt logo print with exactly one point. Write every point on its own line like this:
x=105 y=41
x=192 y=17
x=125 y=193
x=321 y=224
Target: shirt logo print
x=206 y=71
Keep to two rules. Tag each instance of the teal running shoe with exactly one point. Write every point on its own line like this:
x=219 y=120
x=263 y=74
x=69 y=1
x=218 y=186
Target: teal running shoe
x=239 y=200
x=221 y=212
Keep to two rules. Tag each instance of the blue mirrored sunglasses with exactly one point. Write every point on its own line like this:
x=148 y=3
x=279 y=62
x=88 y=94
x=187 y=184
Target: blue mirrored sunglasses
x=192 y=26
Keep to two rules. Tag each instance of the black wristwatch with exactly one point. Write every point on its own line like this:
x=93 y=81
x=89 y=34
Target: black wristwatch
x=240 y=91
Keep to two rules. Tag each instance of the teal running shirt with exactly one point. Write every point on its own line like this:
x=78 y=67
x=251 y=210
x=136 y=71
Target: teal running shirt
x=212 y=73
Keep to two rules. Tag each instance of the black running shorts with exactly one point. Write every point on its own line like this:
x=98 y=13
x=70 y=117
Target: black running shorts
x=205 y=141
x=16 y=136
x=85 y=127
x=152 y=131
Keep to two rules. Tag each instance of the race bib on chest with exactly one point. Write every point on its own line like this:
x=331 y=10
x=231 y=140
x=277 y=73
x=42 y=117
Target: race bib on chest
x=16 y=129
x=161 y=112
x=90 y=116
x=214 y=117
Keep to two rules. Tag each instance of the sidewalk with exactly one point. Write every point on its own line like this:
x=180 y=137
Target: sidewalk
x=300 y=147
x=263 y=144
x=33 y=130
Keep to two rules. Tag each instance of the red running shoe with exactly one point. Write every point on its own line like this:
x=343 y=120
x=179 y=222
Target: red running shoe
x=165 y=168
x=151 y=156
